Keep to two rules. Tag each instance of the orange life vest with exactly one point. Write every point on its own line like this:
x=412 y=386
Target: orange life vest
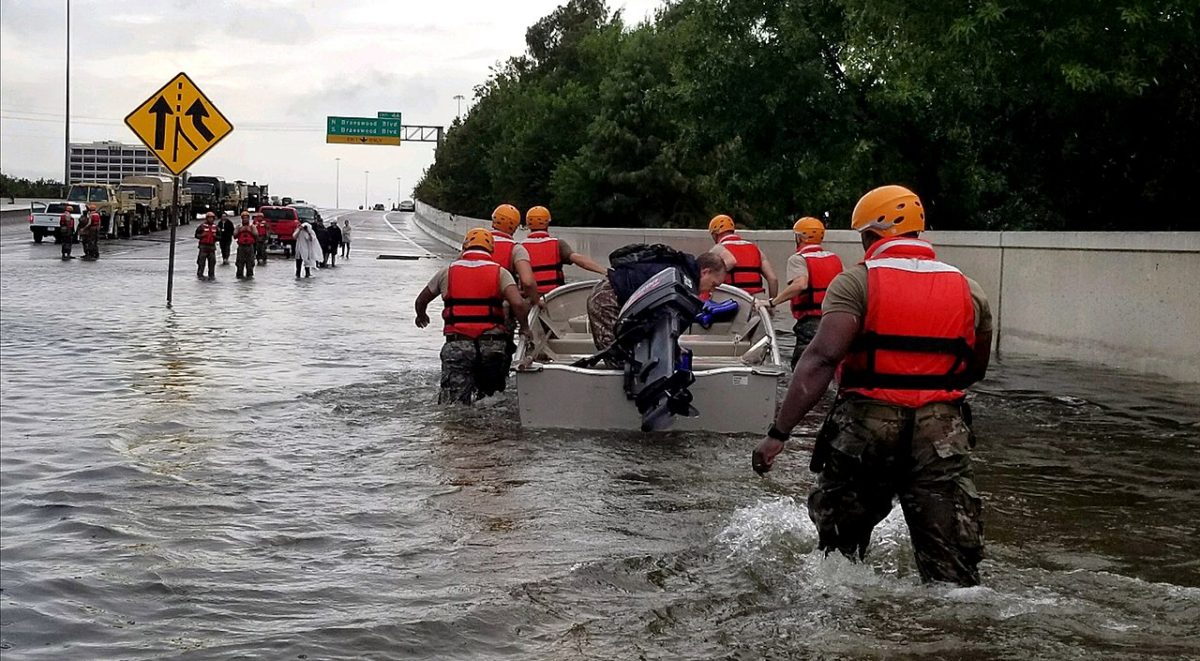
x=65 y=221
x=502 y=253
x=245 y=236
x=823 y=266
x=261 y=226
x=474 y=303
x=208 y=234
x=95 y=218
x=747 y=273
x=919 y=333
x=545 y=260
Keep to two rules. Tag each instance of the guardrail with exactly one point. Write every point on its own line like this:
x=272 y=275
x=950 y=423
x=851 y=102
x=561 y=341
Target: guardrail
x=1123 y=300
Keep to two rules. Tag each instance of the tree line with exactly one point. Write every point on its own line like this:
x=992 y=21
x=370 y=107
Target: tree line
x=14 y=187
x=1001 y=114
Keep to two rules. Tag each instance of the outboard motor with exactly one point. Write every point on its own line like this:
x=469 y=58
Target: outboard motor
x=657 y=372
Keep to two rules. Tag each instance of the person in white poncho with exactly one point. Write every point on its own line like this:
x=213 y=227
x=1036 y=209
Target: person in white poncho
x=308 y=249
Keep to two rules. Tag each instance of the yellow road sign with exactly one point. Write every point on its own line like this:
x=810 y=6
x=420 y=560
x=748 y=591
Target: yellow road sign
x=362 y=139
x=178 y=123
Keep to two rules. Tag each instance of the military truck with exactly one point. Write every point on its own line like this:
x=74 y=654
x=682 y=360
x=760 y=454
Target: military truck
x=235 y=197
x=157 y=193
x=208 y=194
x=256 y=196
x=118 y=210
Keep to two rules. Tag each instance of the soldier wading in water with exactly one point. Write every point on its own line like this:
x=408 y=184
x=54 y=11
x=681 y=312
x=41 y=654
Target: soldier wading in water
x=906 y=334
x=475 y=357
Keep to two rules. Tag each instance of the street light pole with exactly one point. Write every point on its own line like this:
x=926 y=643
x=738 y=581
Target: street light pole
x=366 y=188
x=398 y=198
x=67 y=114
x=337 y=196
x=459 y=99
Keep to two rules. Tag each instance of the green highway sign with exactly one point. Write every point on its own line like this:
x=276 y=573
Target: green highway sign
x=363 y=127
x=389 y=115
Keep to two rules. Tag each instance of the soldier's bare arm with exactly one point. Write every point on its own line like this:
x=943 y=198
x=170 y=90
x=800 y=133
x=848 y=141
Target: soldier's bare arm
x=528 y=282
x=792 y=290
x=519 y=307
x=770 y=277
x=835 y=335
x=983 y=355
x=422 y=305
x=584 y=262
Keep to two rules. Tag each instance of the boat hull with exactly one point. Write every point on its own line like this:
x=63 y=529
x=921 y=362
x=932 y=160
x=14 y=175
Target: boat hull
x=730 y=400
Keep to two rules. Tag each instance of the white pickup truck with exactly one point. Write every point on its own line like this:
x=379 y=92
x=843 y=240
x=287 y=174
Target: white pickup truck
x=43 y=218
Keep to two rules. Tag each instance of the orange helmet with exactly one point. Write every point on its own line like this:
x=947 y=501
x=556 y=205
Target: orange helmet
x=720 y=224
x=889 y=211
x=91 y=207
x=479 y=238
x=809 y=230
x=537 y=218
x=506 y=218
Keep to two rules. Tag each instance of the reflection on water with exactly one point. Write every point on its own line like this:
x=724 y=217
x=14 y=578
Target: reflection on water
x=261 y=472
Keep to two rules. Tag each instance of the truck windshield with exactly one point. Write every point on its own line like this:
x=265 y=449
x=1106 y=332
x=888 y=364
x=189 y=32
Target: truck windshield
x=306 y=213
x=87 y=194
x=140 y=192
x=200 y=188
x=279 y=214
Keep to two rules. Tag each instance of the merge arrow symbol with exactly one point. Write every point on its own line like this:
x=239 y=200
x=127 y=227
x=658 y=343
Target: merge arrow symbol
x=363 y=140
x=160 y=110
x=198 y=112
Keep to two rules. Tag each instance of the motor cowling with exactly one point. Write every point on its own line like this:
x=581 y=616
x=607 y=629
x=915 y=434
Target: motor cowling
x=657 y=371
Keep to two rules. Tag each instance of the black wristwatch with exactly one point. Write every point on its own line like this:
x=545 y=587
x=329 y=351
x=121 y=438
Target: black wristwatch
x=774 y=433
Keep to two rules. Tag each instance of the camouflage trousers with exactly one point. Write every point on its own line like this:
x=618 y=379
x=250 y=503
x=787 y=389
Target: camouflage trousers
x=90 y=239
x=804 y=330
x=868 y=453
x=245 y=260
x=602 y=311
x=474 y=369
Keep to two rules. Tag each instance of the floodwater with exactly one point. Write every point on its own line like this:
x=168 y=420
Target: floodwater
x=261 y=473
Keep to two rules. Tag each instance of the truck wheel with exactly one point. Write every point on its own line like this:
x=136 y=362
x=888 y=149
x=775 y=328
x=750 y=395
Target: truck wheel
x=38 y=234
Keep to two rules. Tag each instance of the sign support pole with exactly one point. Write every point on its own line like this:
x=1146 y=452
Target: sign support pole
x=171 y=258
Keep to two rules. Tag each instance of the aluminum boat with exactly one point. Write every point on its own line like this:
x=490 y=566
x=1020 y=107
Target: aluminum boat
x=735 y=364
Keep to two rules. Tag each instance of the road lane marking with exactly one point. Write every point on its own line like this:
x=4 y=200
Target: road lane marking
x=397 y=231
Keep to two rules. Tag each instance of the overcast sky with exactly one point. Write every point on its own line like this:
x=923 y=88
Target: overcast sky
x=275 y=68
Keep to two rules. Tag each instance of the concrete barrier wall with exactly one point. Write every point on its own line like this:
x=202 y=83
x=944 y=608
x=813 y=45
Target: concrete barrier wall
x=1125 y=301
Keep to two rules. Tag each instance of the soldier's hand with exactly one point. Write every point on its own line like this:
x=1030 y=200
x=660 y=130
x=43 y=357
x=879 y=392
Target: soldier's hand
x=764 y=455
x=422 y=320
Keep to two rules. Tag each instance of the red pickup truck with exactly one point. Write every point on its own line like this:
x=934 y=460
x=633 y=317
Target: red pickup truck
x=281 y=224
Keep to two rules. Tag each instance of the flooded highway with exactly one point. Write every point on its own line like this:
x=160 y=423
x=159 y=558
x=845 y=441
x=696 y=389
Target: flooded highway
x=261 y=472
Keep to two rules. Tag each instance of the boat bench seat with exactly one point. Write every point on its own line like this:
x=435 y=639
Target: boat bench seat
x=580 y=344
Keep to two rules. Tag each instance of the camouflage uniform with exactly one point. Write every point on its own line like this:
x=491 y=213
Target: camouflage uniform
x=804 y=330
x=89 y=236
x=260 y=246
x=602 y=310
x=869 y=452
x=474 y=369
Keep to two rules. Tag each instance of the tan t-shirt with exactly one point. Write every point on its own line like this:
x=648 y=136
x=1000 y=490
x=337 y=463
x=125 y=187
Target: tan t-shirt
x=441 y=281
x=848 y=293
x=796 y=268
x=519 y=254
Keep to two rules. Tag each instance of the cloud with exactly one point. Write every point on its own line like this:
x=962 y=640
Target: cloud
x=275 y=67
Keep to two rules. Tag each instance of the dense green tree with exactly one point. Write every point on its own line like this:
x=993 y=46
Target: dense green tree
x=13 y=187
x=1002 y=114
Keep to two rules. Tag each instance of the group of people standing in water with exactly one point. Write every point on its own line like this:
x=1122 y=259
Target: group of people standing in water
x=902 y=333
